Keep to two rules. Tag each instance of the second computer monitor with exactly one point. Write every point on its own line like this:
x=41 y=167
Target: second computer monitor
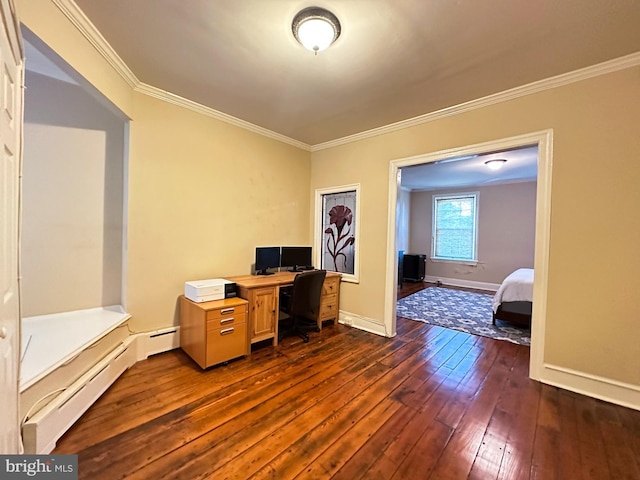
x=296 y=258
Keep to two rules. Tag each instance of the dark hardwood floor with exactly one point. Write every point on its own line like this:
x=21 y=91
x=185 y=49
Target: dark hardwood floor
x=430 y=403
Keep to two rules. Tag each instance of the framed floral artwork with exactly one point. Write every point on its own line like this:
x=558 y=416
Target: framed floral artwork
x=336 y=232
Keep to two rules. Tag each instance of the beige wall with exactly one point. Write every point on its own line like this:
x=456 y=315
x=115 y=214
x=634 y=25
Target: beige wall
x=202 y=195
x=506 y=232
x=72 y=203
x=592 y=305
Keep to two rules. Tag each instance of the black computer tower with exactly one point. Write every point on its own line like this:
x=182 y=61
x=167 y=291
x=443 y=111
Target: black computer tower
x=413 y=267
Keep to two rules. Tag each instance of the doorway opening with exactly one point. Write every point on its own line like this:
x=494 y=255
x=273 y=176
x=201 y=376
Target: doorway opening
x=542 y=141
x=464 y=226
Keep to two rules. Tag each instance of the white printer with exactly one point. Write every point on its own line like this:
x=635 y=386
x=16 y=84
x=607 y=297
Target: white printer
x=210 y=289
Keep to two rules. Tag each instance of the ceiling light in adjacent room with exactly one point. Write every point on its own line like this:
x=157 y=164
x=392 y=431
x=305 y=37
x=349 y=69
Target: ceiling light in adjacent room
x=496 y=163
x=315 y=28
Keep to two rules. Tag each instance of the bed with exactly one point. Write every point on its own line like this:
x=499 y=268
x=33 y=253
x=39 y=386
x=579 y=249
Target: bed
x=514 y=299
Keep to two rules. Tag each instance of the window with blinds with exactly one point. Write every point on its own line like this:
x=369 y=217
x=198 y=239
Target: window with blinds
x=454 y=231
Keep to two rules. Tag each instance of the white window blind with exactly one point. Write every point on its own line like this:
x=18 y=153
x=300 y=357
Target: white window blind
x=455 y=227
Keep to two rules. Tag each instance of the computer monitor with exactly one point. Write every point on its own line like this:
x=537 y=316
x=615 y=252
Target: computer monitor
x=296 y=258
x=266 y=258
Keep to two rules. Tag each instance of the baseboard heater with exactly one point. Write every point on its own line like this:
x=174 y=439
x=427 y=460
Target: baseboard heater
x=41 y=432
x=161 y=341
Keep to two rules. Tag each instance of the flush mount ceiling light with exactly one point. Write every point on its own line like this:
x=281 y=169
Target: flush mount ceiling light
x=496 y=163
x=315 y=28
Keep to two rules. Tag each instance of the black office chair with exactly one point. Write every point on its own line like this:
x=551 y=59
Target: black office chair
x=299 y=309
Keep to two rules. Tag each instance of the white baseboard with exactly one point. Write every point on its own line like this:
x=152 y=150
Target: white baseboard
x=612 y=391
x=456 y=282
x=363 y=323
x=41 y=432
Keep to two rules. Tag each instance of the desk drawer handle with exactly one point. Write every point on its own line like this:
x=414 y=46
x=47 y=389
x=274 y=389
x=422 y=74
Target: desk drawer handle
x=227 y=320
x=224 y=311
x=227 y=331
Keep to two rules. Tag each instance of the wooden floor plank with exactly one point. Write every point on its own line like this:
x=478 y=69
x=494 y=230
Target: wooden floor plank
x=246 y=430
x=362 y=460
x=618 y=443
x=437 y=391
x=487 y=463
x=630 y=422
x=460 y=452
x=519 y=401
x=593 y=458
x=425 y=453
x=332 y=424
x=545 y=460
x=423 y=393
x=428 y=403
x=261 y=454
x=413 y=385
x=568 y=446
x=306 y=459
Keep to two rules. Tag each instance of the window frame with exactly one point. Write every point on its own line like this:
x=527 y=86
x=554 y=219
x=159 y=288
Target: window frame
x=452 y=196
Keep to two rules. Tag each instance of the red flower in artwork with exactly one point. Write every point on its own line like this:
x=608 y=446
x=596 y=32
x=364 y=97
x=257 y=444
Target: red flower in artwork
x=339 y=215
x=339 y=238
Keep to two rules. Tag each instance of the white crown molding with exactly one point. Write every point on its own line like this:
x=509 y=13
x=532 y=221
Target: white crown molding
x=77 y=17
x=210 y=112
x=610 y=66
x=71 y=10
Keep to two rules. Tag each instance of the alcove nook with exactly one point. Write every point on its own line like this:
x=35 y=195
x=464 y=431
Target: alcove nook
x=73 y=226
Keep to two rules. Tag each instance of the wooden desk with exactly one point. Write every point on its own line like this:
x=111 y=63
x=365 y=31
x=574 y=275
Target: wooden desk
x=263 y=293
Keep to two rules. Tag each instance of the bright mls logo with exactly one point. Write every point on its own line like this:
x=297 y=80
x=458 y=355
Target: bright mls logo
x=52 y=467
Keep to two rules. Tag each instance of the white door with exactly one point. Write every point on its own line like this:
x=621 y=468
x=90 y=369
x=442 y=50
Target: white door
x=11 y=98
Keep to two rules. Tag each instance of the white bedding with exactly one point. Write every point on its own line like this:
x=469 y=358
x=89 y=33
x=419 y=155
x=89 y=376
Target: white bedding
x=517 y=287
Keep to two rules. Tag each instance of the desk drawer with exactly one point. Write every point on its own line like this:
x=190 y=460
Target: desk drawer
x=328 y=307
x=226 y=343
x=219 y=314
x=330 y=286
x=227 y=321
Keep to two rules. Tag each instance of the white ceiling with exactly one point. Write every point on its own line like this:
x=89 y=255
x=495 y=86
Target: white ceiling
x=521 y=165
x=394 y=60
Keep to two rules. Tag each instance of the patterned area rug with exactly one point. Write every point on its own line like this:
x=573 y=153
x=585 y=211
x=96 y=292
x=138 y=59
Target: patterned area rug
x=459 y=310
